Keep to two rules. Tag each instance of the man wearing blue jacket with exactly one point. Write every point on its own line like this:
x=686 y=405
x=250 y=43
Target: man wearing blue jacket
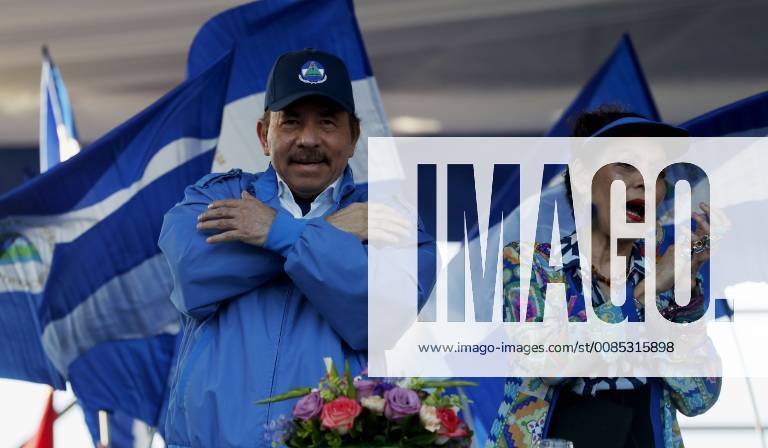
x=270 y=269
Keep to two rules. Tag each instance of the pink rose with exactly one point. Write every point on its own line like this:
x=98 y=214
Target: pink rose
x=340 y=414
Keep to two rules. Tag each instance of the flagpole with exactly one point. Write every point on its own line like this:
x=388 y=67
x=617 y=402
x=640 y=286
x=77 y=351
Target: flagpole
x=103 y=429
x=43 y=140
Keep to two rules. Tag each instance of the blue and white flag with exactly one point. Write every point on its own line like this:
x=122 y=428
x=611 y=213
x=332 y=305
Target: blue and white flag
x=58 y=133
x=83 y=286
x=81 y=273
x=58 y=142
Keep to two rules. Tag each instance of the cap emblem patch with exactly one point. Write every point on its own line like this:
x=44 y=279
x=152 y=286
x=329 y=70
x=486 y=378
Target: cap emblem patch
x=312 y=72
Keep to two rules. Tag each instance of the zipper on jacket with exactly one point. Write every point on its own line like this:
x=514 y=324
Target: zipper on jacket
x=277 y=350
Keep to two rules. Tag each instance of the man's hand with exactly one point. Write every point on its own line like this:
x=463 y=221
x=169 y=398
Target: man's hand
x=247 y=220
x=387 y=225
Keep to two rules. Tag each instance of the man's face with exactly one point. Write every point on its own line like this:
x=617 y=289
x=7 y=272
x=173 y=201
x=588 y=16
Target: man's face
x=310 y=142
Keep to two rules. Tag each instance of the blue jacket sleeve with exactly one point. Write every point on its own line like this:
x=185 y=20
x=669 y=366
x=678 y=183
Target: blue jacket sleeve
x=330 y=267
x=204 y=275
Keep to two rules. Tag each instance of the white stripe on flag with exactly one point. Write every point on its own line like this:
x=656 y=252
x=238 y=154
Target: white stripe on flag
x=143 y=310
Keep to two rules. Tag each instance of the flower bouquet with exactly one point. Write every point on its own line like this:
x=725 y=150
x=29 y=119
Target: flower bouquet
x=364 y=412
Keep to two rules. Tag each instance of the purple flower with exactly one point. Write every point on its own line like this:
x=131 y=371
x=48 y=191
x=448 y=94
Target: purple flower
x=308 y=407
x=364 y=388
x=278 y=431
x=381 y=388
x=400 y=403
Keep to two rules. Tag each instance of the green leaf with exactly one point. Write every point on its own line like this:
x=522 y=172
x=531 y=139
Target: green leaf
x=327 y=395
x=350 y=392
x=293 y=393
x=333 y=374
x=333 y=438
x=447 y=383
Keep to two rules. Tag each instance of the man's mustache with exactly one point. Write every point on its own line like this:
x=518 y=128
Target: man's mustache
x=308 y=156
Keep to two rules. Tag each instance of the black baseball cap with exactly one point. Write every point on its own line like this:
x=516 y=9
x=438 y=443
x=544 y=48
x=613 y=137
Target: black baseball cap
x=298 y=74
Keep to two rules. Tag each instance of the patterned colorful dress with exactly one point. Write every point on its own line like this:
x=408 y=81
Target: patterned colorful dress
x=527 y=405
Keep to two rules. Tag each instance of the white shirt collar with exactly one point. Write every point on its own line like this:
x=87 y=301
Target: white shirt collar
x=319 y=206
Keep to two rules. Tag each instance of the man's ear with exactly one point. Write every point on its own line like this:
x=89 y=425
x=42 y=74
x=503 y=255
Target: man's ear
x=261 y=130
x=355 y=136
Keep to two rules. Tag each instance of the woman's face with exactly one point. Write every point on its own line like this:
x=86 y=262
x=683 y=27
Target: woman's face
x=635 y=208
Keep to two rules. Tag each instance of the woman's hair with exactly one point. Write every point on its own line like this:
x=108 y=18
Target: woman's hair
x=587 y=123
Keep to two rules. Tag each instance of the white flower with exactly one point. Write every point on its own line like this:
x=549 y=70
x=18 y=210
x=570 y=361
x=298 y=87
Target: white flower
x=428 y=417
x=328 y=364
x=374 y=403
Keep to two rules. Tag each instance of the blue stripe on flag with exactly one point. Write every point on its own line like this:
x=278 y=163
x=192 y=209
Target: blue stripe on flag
x=21 y=356
x=95 y=375
x=51 y=147
x=65 y=106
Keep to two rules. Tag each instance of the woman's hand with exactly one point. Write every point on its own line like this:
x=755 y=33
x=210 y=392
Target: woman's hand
x=665 y=266
x=386 y=224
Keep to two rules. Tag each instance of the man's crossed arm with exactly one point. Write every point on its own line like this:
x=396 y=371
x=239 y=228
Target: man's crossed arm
x=326 y=258
x=249 y=220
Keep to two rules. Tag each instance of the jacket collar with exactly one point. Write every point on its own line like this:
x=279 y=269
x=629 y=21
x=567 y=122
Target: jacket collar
x=265 y=186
